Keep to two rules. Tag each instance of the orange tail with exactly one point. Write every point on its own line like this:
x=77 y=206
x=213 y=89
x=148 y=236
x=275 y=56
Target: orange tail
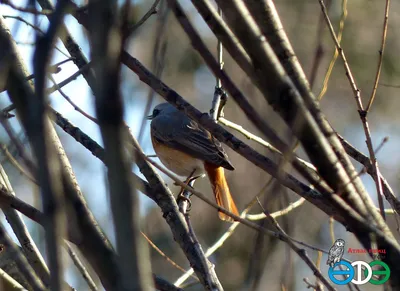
x=221 y=190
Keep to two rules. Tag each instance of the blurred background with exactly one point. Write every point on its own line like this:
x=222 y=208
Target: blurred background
x=246 y=261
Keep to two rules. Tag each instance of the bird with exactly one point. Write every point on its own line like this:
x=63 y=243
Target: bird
x=188 y=150
x=335 y=252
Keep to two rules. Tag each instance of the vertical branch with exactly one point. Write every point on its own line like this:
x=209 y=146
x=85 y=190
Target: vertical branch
x=158 y=62
x=381 y=51
x=49 y=170
x=180 y=230
x=363 y=117
x=107 y=43
x=319 y=50
x=336 y=53
x=216 y=108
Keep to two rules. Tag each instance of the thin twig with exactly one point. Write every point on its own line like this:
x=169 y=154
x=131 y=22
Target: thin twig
x=224 y=237
x=150 y=12
x=133 y=263
x=319 y=49
x=76 y=107
x=16 y=164
x=19 y=18
x=169 y=260
x=68 y=80
x=50 y=171
x=220 y=209
x=363 y=116
x=381 y=51
x=301 y=252
x=54 y=69
x=258 y=139
x=158 y=62
x=216 y=109
x=279 y=213
x=81 y=268
x=17 y=144
x=366 y=162
x=336 y=53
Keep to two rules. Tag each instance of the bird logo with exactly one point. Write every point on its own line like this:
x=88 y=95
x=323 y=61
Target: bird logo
x=335 y=252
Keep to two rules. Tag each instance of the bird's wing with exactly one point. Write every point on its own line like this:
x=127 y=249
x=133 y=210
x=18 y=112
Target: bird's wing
x=182 y=133
x=331 y=254
x=338 y=251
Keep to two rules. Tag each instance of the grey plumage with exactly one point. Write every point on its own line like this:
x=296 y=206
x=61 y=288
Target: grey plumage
x=335 y=252
x=173 y=128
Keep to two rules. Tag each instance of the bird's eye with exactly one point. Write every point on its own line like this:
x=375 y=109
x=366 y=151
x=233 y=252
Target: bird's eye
x=155 y=112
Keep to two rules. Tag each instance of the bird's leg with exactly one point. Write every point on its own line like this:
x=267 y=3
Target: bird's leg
x=183 y=199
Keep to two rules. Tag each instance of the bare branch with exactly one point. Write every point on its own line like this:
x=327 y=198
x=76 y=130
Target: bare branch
x=381 y=51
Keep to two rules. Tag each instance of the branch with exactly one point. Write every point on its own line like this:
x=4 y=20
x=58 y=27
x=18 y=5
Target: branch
x=49 y=169
x=366 y=162
x=166 y=201
x=150 y=12
x=21 y=231
x=381 y=51
x=27 y=10
x=7 y=199
x=363 y=117
x=133 y=264
x=93 y=244
x=11 y=253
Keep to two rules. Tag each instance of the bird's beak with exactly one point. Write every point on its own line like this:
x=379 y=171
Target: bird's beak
x=149 y=117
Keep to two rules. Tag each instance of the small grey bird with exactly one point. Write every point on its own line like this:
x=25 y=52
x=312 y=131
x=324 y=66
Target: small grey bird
x=335 y=252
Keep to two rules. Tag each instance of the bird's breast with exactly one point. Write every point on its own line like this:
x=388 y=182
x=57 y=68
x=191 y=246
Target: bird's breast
x=177 y=161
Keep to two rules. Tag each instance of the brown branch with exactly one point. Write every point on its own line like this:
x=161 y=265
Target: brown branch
x=319 y=49
x=16 y=164
x=14 y=254
x=29 y=247
x=366 y=162
x=336 y=53
x=143 y=186
x=363 y=117
x=69 y=100
x=166 y=201
x=300 y=252
x=150 y=12
x=81 y=268
x=168 y=259
x=381 y=52
x=158 y=63
x=93 y=243
x=177 y=100
x=69 y=42
x=133 y=263
x=9 y=200
x=225 y=35
x=49 y=170
x=68 y=80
